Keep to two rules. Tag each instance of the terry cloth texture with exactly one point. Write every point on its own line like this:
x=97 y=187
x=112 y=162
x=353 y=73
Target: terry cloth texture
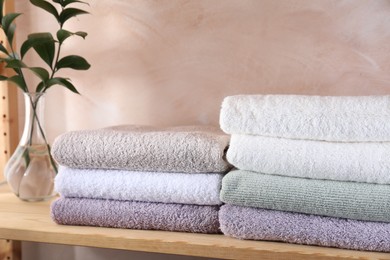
x=353 y=200
x=144 y=148
x=260 y=224
x=358 y=118
x=360 y=162
x=184 y=188
x=135 y=215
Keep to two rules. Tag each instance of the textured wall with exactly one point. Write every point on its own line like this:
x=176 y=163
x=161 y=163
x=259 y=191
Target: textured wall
x=169 y=62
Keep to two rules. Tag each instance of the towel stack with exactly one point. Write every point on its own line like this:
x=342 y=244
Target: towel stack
x=312 y=170
x=141 y=177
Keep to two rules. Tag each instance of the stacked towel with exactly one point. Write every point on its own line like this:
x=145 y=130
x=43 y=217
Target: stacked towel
x=339 y=119
x=352 y=161
x=308 y=163
x=141 y=177
x=261 y=224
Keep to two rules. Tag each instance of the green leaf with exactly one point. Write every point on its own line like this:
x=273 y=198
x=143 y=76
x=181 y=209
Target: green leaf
x=40 y=72
x=43 y=44
x=48 y=7
x=81 y=34
x=1 y=9
x=26 y=46
x=10 y=33
x=62 y=35
x=19 y=81
x=3 y=78
x=63 y=82
x=64 y=3
x=26 y=156
x=7 y=20
x=68 y=13
x=73 y=62
x=40 y=86
x=15 y=64
x=3 y=49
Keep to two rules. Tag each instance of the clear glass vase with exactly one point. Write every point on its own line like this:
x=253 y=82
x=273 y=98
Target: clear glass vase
x=31 y=169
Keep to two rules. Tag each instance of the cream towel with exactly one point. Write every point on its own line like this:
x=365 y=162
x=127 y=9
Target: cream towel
x=184 y=188
x=360 y=162
x=144 y=148
x=349 y=119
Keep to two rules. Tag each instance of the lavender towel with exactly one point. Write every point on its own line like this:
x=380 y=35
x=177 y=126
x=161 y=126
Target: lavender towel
x=144 y=148
x=135 y=215
x=261 y=224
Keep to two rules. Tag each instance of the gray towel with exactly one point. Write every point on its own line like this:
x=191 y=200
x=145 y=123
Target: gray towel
x=353 y=200
x=144 y=148
x=135 y=215
x=260 y=224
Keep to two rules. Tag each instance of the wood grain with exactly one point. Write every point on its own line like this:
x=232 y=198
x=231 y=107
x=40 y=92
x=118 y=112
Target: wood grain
x=9 y=250
x=8 y=111
x=9 y=124
x=31 y=222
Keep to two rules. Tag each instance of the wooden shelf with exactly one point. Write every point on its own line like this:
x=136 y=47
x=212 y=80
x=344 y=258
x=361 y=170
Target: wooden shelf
x=31 y=222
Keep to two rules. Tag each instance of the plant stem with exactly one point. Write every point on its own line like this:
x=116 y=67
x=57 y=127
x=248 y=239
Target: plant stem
x=54 y=68
x=35 y=117
x=56 y=61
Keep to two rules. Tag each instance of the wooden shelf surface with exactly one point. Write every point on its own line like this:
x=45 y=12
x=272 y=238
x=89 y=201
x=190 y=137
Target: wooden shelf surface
x=31 y=222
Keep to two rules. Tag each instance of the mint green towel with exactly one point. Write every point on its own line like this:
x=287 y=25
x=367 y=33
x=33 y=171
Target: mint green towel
x=352 y=200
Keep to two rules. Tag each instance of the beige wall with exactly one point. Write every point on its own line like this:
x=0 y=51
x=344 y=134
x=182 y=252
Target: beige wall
x=170 y=62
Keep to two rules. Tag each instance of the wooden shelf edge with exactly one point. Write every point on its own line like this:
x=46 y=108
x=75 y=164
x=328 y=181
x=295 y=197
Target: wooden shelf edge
x=24 y=221
x=217 y=246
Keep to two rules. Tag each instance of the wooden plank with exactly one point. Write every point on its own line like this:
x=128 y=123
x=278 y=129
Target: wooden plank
x=31 y=222
x=10 y=250
x=9 y=131
x=5 y=249
x=9 y=126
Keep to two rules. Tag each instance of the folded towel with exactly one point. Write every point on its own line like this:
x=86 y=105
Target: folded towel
x=135 y=215
x=361 y=162
x=260 y=224
x=360 y=118
x=353 y=200
x=144 y=148
x=184 y=188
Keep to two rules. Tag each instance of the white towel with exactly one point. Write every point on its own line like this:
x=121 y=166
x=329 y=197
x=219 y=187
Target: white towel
x=184 y=188
x=360 y=162
x=347 y=119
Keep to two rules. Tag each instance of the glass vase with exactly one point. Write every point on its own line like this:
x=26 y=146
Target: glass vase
x=31 y=169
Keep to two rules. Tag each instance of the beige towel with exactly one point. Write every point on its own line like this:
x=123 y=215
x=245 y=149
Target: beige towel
x=144 y=148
